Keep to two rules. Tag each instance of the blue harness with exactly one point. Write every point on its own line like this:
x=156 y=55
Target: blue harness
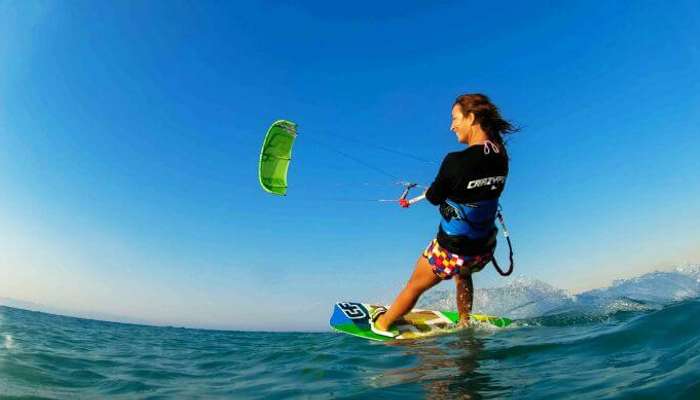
x=473 y=220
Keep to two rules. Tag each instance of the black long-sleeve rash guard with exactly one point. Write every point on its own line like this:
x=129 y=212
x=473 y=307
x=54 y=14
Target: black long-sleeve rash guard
x=474 y=174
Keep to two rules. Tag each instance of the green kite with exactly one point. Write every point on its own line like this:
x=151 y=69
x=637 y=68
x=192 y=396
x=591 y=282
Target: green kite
x=275 y=156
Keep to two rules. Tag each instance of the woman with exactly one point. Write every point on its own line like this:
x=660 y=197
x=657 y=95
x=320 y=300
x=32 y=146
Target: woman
x=466 y=189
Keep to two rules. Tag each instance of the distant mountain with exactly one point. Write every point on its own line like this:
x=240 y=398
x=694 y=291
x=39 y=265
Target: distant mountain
x=25 y=305
x=31 y=306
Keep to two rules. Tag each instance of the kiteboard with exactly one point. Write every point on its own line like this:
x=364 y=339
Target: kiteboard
x=353 y=319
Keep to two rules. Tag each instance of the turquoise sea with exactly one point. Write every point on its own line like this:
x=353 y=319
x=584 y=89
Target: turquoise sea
x=638 y=339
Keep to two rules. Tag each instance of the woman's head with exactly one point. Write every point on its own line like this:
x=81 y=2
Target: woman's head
x=474 y=113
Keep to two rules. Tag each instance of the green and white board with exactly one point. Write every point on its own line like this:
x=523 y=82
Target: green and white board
x=353 y=319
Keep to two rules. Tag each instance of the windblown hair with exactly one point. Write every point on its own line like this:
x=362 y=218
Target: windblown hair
x=487 y=115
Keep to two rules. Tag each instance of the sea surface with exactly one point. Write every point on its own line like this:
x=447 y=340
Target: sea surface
x=638 y=339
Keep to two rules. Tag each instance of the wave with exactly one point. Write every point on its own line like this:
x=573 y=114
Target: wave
x=535 y=302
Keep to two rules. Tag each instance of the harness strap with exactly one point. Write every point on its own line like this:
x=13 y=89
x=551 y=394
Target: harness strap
x=499 y=215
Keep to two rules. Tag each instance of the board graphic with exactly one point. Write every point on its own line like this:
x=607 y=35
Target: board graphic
x=353 y=319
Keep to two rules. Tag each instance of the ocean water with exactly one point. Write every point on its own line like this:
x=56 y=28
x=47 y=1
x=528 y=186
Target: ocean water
x=638 y=339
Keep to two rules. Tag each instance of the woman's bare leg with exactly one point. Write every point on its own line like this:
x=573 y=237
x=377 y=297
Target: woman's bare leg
x=423 y=278
x=465 y=297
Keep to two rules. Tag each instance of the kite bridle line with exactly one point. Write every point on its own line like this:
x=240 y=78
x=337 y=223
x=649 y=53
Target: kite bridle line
x=407 y=185
x=293 y=130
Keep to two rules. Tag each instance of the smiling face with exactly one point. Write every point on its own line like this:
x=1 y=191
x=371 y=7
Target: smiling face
x=462 y=126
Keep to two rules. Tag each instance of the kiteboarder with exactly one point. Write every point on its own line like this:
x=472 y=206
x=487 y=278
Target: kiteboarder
x=466 y=189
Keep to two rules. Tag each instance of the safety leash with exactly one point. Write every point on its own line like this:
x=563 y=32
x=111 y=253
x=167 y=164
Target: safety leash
x=499 y=215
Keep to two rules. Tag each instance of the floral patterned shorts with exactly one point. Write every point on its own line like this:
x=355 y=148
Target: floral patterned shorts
x=446 y=265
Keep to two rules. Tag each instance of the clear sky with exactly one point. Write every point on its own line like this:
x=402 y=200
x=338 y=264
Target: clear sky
x=130 y=133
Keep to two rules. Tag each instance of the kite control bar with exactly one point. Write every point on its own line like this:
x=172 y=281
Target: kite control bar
x=403 y=200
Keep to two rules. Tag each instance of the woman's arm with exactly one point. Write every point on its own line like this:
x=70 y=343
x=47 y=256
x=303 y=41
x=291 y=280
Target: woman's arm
x=442 y=185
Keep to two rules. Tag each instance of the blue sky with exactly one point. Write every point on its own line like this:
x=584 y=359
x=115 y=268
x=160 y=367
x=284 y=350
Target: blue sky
x=130 y=134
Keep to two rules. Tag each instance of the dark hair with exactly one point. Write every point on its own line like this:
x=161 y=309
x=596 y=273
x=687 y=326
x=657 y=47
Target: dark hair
x=487 y=115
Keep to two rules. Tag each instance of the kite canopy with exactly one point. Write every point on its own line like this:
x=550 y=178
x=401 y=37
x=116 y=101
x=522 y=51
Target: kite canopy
x=275 y=156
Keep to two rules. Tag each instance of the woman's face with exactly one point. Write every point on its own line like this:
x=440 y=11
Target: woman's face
x=461 y=125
